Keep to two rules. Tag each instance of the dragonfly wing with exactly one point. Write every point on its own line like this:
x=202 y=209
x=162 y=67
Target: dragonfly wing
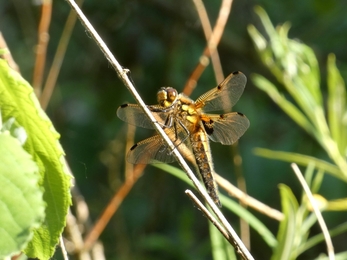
x=150 y=150
x=225 y=95
x=134 y=115
x=155 y=150
x=227 y=128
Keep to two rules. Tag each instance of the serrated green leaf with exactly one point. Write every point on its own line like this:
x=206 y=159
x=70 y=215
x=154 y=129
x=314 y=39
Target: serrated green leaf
x=18 y=100
x=21 y=203
x=287 y=229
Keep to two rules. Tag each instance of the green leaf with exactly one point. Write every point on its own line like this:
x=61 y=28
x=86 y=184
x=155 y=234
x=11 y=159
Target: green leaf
x=221 y=249
x=301 y=159
x=337 y=109
x=287 y=229
x=316 y=239
x=338 y=256
x=21 y=203
x=290 y=109
x=17 y=99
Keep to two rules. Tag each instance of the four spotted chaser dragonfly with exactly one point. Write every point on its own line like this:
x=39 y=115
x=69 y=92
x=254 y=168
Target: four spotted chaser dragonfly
x=189 y=127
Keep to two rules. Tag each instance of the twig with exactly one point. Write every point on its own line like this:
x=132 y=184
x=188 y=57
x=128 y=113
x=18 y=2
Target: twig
x=330 y=247
x=122 y=73
x=74 y=234
x=247 y=200
x=111 y=208
x=41 y=48
x=58 y=58
x=204 y=210
x=213 y=38
x=63 y=249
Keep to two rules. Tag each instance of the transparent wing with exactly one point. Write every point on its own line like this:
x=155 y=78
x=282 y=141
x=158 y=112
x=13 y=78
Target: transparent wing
x=150 y=150
x=155 y=150
x=226 y=129
x=134 y=115
x=225 y=95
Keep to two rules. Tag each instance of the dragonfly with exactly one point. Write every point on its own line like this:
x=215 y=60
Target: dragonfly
x=189 y=127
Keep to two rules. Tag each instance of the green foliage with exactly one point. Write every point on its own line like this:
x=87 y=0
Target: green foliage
x=221 y=248
x=17 y=100
x=295 y=66
x=22 y=207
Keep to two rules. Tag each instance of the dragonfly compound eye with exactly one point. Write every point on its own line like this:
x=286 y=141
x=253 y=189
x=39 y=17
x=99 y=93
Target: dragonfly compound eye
x=166 y=96
x=171 y=94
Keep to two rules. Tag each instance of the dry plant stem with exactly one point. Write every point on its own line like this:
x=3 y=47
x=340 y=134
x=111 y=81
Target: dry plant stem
x=122 y=73
x=111 y=208
x=58 y=58
x=204 y=210
x=41 y=48
x=75 y=236
x=330 y=247
x=214 y=221
x=248 y=200
x=63 y=249
x=129 y=168
x=213 y=38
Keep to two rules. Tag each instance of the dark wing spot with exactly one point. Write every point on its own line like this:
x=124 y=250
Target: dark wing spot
x=133 y=147
x=240 y=114
x=124 y=105
x=208 y=127
x=236 y=72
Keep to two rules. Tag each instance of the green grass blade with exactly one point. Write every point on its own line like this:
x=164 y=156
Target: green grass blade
x=301 y=159
x=221 y=249
x=291 y=110
x=315 y=240
x=287 y=230
x=337 y=110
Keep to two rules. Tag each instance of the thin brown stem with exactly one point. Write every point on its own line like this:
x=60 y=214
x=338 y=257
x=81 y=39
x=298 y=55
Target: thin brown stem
x=41 y=48
x=58 y=58
x=213 y=38
x=111 y=208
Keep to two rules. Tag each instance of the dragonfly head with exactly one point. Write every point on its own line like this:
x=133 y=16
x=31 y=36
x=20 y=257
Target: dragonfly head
x=167 y=96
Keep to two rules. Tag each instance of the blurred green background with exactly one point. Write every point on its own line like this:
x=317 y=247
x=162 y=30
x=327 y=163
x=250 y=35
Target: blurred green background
x=161 y=42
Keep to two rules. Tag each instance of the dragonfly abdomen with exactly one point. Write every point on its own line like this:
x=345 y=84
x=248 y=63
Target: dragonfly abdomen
x=202 y=154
